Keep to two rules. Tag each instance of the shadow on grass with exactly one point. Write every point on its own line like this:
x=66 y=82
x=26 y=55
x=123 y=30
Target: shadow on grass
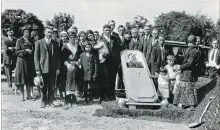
x=202 y=91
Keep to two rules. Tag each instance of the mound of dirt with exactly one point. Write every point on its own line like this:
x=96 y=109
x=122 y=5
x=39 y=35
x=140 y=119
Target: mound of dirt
x=212 y=116
x=205 y=88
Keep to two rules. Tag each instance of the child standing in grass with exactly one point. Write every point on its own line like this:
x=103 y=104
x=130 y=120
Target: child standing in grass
x=163 y=84
x=170 y=71
x=88 y=64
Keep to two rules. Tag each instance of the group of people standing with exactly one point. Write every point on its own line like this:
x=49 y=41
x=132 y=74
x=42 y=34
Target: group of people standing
x=81 y=63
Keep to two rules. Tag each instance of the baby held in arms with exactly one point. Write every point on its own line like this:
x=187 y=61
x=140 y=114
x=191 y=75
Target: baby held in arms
x=103 y=50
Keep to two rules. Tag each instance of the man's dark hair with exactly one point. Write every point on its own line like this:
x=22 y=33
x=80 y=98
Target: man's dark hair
x=106 y=26
x=111 y=21
x=96 y=32
x=121 y=26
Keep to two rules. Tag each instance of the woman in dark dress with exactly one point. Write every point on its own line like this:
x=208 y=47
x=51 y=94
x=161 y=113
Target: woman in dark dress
x=187 y=95
x=61 y=78
x=81 y=42
x=25 y=72
x=70 y=53
x=101 y=51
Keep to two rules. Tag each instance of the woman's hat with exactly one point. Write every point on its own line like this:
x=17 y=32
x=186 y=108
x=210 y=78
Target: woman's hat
x=63 y=33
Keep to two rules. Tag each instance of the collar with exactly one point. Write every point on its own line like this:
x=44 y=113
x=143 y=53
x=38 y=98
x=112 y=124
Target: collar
x=47 y=40
x=26 y=39
x=108 y=38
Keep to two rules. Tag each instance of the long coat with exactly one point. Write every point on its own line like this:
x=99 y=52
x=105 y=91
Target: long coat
x=24 y=73
x=189 y=67
x=8 y=54
x=89 y=66
x=156 y=58
x=46 y=61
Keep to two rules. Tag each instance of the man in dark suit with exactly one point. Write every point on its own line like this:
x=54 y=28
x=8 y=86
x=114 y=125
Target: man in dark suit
x=47 y=64
x=112 y=24
x=121 y=31
x=113 y=60
x=135 y=42
x=8 y=55
x=145 y=39
x=214 y=60
x=149 y=45
x=158 y=56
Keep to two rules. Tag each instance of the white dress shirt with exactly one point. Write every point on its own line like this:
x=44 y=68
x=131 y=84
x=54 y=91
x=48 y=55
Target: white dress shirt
x=212 y=63
x=48 y=40
x=107 y=38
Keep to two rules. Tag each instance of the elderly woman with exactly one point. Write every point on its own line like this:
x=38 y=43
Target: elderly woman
x=71 y=52
x=102 y=52
x=25 y=72
x=186 y=95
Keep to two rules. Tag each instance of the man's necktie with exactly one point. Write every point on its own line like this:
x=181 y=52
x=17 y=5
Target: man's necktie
x=163 y=57
x=213 y=54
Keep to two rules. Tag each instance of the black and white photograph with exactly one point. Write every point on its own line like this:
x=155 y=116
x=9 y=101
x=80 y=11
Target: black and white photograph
x=110 y=65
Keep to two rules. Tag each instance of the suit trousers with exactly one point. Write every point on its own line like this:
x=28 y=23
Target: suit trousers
x=47 y=90
x=8 y=73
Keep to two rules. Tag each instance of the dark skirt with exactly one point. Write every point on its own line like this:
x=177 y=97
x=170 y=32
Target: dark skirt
x=24 y=72
x=186 y=94
x=102 y=78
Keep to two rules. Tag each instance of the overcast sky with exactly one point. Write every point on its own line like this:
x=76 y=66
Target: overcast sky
x=93 y=14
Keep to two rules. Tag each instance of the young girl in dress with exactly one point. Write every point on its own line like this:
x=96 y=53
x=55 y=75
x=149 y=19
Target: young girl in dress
x=163 y=84
x=89 y=66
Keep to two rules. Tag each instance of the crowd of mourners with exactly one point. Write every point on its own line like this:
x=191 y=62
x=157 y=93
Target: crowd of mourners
x=76 y=65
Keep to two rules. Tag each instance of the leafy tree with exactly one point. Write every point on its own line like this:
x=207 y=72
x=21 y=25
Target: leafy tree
x=178 y=26
x=138 y=22
x=62 y=22
x=218 y=29
x=16 y=19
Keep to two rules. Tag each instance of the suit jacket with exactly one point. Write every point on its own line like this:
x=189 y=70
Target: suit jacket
x=189 y=67
x=8 y=54
x=156 y=58
x=148 y=49
x=217 y=60
x=135 y=65
x=133 y=45
x=114 y=50
x=89 y=66
x=144 y=42
x=46 y=61
x=116 y=35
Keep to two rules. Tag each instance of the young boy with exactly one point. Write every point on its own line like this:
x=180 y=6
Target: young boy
x=170 y=71
x=88 y=64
